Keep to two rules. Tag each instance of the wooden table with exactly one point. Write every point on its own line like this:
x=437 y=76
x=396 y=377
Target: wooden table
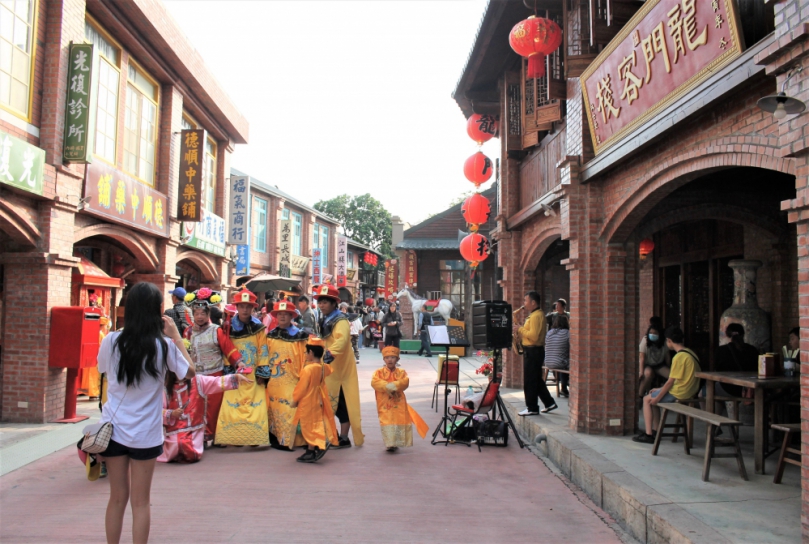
x=751 y=380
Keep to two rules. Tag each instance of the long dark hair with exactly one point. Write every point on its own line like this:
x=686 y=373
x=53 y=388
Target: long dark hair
x=136 y=343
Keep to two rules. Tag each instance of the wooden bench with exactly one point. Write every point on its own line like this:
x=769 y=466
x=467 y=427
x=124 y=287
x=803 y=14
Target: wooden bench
x=788 y=429
x=714 y=422
x=555 y=381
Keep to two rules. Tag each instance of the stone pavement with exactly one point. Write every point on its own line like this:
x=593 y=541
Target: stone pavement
x=420 y=494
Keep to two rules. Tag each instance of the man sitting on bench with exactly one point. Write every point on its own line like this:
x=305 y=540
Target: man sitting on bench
x=681 y=385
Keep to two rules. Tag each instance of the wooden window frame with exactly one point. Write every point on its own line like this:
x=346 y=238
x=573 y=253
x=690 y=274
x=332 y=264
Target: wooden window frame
x=115 y=64
x=32 y=43
x=263 y=249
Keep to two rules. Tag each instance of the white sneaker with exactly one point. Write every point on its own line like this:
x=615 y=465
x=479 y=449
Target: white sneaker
x=528 y=412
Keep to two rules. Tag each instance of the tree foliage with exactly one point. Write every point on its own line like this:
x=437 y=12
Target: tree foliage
x=363 y=219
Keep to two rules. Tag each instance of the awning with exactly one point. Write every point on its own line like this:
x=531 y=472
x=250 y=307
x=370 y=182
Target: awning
x=87 y=273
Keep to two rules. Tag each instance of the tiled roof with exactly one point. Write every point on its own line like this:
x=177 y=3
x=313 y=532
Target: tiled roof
x=428 y=243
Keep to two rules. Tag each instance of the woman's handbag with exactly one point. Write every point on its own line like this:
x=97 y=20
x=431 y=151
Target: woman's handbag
x=99 y=441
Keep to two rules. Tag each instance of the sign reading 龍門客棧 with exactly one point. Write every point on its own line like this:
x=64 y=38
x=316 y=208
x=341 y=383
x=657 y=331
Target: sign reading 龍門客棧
x=117 y=197
x=21 y=164
x=78 y=136
x=665 y=50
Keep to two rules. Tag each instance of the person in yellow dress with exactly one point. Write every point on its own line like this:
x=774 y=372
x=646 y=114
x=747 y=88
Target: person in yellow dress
x=396 y=416
x=90 y=379
x=313 y=408
x=243 y=415
x=286 y=345
x=343 y=384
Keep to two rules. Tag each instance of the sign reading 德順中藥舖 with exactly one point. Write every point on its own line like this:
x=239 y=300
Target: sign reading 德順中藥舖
x=664 y=51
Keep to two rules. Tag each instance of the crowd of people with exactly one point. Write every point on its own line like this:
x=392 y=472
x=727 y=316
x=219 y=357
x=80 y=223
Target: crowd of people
x=177 y=383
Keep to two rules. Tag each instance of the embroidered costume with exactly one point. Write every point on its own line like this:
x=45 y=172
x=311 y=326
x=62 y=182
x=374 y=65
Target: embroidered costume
x=185 y=435
x=396 y=416
x=243 y=415
x=314 y=412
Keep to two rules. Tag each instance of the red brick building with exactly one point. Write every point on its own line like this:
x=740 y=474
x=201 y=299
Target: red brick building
x=147 y=83
x=708 y=177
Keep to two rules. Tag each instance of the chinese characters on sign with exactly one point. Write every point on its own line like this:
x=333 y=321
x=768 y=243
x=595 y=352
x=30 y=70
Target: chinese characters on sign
x=285 y=245
x=76 y=145
x=238 y=220
x=298 y=265
x=21 y=164
x=121 y=199
x=317 y=275
x=391 y=277
x=242 y=260
x=411 y=275
x=208 y=234
x=667 y=48
x=342 y=252
x=192 y=164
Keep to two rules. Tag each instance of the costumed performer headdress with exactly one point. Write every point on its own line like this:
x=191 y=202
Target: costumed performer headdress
x=328 y=292
x=315 y=341
x=388 y=351
x=283 y=306
x=202 y=298
x=245 y=296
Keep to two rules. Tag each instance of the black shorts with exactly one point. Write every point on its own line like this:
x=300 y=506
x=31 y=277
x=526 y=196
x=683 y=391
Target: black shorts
x=114 y=449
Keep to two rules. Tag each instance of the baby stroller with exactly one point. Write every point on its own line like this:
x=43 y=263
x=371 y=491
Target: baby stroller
x=376 y=333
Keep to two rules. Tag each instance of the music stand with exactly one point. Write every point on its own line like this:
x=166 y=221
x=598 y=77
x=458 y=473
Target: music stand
x=447 y=337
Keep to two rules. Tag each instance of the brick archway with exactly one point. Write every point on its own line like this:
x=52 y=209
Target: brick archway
x=669 y=176
x=733 y=214
x=206 y=266
x=542 y=241
x=141 y=249
x=19 y=227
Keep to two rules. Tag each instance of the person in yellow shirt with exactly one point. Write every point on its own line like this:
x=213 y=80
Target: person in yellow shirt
x=396 y=416
x=313 y=407
x=532 y=337
x=682 y=384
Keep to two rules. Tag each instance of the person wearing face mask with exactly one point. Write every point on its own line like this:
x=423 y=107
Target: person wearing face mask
x=655 y=358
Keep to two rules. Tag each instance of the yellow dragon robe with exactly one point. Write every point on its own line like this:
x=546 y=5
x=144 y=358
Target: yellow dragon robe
x=336 y=333
x=287 y=351
x=396 y=416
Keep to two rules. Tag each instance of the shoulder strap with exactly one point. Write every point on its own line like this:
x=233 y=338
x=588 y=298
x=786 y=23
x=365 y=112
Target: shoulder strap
x=692 y=354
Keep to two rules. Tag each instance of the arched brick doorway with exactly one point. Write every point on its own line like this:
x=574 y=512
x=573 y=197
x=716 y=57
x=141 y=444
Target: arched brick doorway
x=552 y=280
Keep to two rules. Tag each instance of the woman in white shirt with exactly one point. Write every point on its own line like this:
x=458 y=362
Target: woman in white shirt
x=136 y=360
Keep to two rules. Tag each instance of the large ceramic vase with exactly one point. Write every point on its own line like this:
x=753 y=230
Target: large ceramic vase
x=745 y=309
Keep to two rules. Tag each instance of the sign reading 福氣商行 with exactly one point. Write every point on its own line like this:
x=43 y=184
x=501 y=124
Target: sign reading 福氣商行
x=121 y=199
x=285 y=245
x=192 y=167
x=207 y=234
x=78 y=136
x=21 y=164
x=238 y=220
x=342 y=253
x=664 y=51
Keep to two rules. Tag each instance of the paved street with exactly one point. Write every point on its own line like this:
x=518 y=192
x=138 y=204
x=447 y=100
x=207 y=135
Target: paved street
x=422 y=494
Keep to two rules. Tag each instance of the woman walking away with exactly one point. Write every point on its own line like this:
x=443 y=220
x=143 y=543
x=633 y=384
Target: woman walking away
x=136 y=361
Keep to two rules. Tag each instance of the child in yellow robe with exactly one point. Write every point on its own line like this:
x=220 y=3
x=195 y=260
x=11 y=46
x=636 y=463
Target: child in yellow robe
x=396 y=417
x=311 y=398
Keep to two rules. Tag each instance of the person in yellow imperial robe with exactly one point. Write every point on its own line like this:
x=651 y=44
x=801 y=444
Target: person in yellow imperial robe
x=396 y=416
x=243 y=415
x=343 y=384
x=89 y=378
x=286 y=344
x=311 y=398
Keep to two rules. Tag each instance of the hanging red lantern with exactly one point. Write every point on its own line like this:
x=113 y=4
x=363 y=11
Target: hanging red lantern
x=481 y=127
x=369 y=301
x=476 y=210
x=534 y=39
x=478 y=168
x=475 y=249
x=646 y=247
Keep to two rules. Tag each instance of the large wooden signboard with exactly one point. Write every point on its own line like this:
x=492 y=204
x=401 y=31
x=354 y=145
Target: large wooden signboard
x=664 y=51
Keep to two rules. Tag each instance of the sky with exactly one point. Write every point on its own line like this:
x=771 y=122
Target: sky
x=345 y=97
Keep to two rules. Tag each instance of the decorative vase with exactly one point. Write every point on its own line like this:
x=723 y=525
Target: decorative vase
x=745 y=309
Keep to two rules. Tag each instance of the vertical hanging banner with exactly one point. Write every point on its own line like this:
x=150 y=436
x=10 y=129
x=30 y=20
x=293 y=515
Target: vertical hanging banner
x=342 y=252
x=411 y=274
x=238 y=222
x=242 y=260
x=285 y=244
x=192 y=165
x=76 y=147
x=391 y=277
x=317 y=276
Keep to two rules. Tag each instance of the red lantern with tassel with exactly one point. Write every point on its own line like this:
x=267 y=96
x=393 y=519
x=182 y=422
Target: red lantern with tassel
x=476 y=210
x=534 y=39
x=478 y=168
x=481 y=127
x=475 y=249
x=646 y=247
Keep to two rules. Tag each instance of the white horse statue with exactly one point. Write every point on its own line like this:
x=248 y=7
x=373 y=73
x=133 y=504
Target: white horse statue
x=444 y=307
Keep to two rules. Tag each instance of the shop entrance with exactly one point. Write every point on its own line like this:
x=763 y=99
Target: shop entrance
x=552 y=280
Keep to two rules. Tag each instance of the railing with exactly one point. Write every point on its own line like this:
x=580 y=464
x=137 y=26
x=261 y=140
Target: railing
x=372 y=278
x=538 y=173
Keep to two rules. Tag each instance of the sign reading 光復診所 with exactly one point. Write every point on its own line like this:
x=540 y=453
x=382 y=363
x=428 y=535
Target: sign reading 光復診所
x=78 y=136
x=238 y=220
x=667 y=48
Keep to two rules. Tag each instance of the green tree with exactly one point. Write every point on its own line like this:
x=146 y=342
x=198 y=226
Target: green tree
x=363 y=219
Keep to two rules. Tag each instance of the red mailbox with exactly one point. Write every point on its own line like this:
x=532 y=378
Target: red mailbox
x=73 y=345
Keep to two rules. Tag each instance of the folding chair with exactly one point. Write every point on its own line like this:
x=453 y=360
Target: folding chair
x=459 y=410
x=451 y=369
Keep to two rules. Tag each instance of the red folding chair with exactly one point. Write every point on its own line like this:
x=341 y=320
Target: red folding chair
x=447 y=375
x=459 y=410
